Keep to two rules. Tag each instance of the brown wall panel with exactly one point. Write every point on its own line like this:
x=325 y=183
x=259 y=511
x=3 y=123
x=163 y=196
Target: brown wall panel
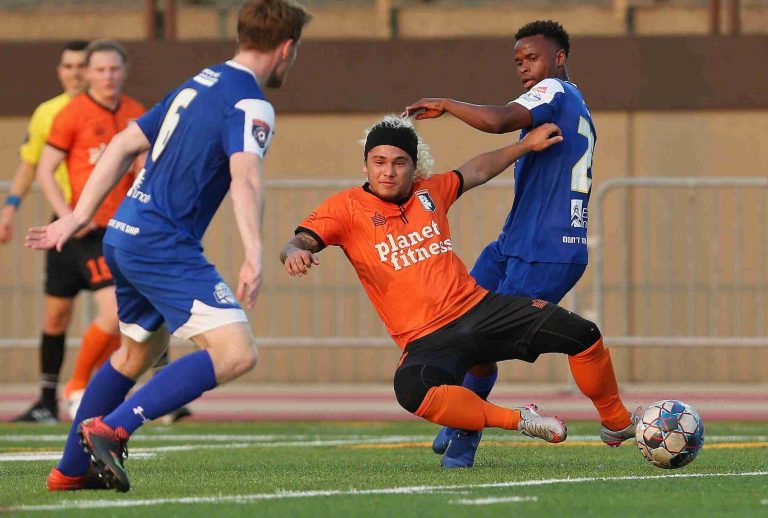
x=622 y=73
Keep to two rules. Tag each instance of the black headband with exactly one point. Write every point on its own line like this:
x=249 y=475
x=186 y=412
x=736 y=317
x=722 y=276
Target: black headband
x=403 y=138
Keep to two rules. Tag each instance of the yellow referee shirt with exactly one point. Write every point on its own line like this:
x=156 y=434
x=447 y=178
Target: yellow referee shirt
x=37 y=134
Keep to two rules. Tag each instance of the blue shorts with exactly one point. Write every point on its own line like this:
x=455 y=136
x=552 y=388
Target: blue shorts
x=507 y=275
x=187 y=294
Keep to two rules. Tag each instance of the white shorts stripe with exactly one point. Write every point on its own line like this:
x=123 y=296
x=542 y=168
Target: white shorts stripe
x=204 y=318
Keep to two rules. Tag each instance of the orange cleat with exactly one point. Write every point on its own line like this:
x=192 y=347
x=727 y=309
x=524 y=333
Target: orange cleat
x=58 y=481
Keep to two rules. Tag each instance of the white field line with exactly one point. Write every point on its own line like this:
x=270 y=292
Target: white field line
x=56 y=455
x=489 y=501
x=281 y=495
x=313 y=440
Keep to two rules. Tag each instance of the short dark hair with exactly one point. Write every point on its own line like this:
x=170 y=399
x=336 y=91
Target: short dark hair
x=263 y=24
x=550 y=29
x=75 y=45
x=105 y=46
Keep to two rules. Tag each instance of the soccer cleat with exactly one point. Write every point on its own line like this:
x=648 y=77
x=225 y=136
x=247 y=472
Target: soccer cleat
x=58 y=481
x=550 y=429
x=461 y=449
x=177 y=415
x=39 y=413
x=614 y=438
x=108 y=449
x=440 y=444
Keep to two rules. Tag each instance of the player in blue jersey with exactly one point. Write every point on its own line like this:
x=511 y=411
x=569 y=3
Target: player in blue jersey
x=205 y=137
x=541 y=251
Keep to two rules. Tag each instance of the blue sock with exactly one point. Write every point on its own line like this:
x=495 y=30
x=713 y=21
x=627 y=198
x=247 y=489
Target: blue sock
x=481 y=386
x=103 y=394
x=177 y=384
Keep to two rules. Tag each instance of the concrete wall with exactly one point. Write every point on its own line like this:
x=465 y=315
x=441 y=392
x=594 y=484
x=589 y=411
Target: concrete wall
x=701 y=143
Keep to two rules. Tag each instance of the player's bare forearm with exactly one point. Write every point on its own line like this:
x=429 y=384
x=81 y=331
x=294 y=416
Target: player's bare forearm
x=22 y=179
x=299 y=254
x=50 y=160
x=111 y=167
x=488 y=118
x=486 y=166
x=248 y=201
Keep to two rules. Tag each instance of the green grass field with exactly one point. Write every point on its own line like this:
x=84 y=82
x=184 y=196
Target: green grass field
x=388 y=470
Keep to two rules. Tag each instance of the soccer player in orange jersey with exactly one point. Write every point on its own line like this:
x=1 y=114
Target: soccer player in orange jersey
x=79 y=134
x=394 y=230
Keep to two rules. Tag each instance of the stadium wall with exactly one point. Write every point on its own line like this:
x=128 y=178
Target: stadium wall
x=665 y=109
x=22 y=23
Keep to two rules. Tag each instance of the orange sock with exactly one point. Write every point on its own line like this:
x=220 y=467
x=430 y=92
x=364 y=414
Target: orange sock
x=459 y=407
x=93 y=348
x=114 y=345
x=593 y=372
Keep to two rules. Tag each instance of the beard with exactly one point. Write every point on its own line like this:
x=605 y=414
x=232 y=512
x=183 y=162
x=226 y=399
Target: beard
x=275 y=79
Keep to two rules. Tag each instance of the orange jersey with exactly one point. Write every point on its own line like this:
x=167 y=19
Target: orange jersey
x=82 y=130
x=403 y=254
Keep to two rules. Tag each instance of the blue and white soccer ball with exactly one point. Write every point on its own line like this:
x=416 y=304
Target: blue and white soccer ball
x=670 y=434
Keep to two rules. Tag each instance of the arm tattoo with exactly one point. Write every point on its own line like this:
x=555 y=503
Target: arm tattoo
x=302 y=241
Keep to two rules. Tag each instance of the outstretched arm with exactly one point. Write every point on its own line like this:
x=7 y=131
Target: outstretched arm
x=488 y=118
x=299 y=254
x=117 y=157
x=489 y=165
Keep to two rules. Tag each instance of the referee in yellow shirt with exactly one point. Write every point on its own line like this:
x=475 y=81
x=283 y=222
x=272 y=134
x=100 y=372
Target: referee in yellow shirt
x=58 y=311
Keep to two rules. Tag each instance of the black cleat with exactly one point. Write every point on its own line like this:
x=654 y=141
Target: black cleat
x=108 y=449
x=41 y=413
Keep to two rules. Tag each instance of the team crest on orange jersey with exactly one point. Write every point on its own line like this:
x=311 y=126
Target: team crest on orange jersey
x=426 y=200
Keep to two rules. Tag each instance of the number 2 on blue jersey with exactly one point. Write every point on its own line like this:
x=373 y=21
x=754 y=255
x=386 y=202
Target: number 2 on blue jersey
x=580 y=181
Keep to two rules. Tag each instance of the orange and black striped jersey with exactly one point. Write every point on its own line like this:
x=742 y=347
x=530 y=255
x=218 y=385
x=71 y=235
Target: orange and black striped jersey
x=402 y=253
x=82 y=130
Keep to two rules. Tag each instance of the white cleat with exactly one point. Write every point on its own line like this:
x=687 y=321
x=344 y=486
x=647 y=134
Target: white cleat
x=550 y=429
x=614 y=438
x=73 y=402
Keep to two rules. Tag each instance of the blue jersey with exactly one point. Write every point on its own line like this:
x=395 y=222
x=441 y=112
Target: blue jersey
x=548 y=221
x=193 y=132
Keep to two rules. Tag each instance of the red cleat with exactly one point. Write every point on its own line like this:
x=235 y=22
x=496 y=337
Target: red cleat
x=108 y=449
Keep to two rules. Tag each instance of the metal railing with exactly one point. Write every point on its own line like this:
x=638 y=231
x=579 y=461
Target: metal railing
x=688 y=261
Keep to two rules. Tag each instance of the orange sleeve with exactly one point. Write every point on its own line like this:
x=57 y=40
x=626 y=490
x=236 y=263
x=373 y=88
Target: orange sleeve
x=329 y=222
x=446 y=187
x=64 y=129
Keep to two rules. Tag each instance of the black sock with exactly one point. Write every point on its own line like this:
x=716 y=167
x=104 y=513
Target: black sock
x=51 y=358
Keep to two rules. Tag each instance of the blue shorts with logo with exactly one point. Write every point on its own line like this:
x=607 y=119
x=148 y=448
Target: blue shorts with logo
x=187 y=294
x=507 y=275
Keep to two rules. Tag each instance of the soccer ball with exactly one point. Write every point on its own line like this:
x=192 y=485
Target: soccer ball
x=670 y=434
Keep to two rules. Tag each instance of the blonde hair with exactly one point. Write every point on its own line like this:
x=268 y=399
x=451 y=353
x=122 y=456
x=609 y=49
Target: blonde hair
x=424 y=162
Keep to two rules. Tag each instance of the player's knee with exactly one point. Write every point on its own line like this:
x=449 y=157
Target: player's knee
x=573 y=333
x=244 y=359
x=57 y=321
x=414 y=381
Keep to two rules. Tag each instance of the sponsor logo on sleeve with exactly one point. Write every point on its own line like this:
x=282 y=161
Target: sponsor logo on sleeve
x=260 y=130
